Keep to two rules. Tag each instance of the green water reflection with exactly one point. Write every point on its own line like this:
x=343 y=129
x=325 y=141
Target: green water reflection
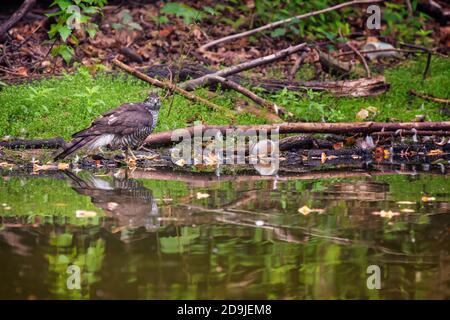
x=238 y=238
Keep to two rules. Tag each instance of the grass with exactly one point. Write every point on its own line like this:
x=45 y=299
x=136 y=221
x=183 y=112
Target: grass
x=62 y=106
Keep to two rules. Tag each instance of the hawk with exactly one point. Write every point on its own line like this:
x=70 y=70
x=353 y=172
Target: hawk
x=124 y=127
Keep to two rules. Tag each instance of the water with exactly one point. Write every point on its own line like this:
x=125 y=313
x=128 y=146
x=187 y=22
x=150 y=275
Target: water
x=162 y=235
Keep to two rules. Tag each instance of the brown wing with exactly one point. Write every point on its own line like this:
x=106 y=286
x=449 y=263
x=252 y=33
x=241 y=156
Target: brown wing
x=123 y=120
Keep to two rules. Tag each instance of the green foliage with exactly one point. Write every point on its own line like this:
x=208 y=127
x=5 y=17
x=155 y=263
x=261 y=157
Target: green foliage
x=395 y=19
x=187 y=13
x=72 y=14
x=126 y=22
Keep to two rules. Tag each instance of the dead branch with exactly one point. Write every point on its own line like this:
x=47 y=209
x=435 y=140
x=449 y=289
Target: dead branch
x=379 y=50
x=361 y=57
x=435 y=10
x=8 y=24
x=362 y=87
x=428 y=97
x=282 y=22
x=264 y=103
x=131 y=54
x=164 y=138
x=296 y=66
x=171 y=87
x=412 y=133
x=192 y=84
x=355 y=88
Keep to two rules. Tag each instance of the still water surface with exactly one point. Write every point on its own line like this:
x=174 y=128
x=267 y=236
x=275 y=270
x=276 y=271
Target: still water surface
x=197 y=237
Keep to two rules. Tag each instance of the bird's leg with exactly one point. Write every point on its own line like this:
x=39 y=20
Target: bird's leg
x=130 y=160
x=132 y=154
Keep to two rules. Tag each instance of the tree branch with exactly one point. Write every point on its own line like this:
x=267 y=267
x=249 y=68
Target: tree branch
x=281 y=22
x=164 y=138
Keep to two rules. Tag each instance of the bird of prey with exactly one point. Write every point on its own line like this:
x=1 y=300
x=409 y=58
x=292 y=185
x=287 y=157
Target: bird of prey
x=124 y=127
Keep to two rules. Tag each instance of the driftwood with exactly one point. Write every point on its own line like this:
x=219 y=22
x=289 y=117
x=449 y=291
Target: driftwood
x=355 y=88
x=8 y=24
x=170 y=86
x=282 y=22
x=165 y=138
x=192 y=84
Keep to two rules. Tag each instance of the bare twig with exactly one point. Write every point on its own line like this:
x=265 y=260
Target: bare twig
x=8 y=24
x=172 y=87
x=379 y=50
x=190 y=85
x=412 y=133
x=410 y=9
x=282 y=22
x=428 y=97
x=363 y=60
x=296 y=66
x=427 y=66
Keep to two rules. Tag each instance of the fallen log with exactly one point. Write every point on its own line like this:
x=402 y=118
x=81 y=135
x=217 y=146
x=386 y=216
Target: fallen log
x=165 y=138
x=362 y=87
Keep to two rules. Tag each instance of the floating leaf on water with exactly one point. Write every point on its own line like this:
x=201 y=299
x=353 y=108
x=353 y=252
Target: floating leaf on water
x=259 y=223
x=435 y=152
x=202 y=195
x=304 y=210
x=386 y=214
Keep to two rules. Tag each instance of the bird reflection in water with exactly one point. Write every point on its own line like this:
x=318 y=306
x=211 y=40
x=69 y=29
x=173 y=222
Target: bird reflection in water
x=125 y=200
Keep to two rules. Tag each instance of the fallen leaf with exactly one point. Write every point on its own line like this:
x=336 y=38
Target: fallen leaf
x=362 y=114
x=85 y=214
x=386 y=214
x=63 y=166
x=428 y=199
x=304 y=210
x=181 y=163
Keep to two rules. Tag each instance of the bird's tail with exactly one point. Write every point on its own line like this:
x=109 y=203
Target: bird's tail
x=73 y=146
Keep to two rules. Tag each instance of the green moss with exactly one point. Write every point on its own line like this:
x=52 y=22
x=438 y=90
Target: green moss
x=395 y=104
x=62 y=106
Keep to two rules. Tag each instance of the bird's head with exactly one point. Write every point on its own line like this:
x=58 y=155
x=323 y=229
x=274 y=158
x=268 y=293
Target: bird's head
x=152 y=102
